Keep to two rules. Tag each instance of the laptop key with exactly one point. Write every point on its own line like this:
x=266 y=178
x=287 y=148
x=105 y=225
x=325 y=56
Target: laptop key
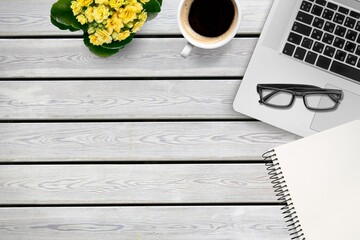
x=328 y=38
x=318 y=47
x=340 y=55
x=311 y=57
x=357 y=27
x=307 y=43
x=289 y=49
x=349 y=46
x=323 y=62
x=329 y=51
x=340 y=31
x=358 y=65
x=301 y=28
x=321 y=2
x=351 y=59
x=356 y=15
x=332 y=6
x=339 y=18
x=318 y=23
x=358 y=40
x=345 y=70
x=339 y=42
x=316 y=34
x=328 y=14
x=299 y=53
x=295 y=38
x=329 y=27
x=316 y=10
x=344 y=10
x=350 y=22
x=304 y=17
x=351 y=35
x=357 y=52
x=305 y=6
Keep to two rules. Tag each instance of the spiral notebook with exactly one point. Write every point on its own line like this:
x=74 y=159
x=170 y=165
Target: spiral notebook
x=318 y=178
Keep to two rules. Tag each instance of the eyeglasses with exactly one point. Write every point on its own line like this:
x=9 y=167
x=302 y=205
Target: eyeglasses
x=283 y=96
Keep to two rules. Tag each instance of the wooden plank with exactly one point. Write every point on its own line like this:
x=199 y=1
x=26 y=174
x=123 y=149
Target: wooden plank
x=32 y=58
x=129 y=184
x=150 y=223
x=164 y=99
x=15 y=20
x=138 y=141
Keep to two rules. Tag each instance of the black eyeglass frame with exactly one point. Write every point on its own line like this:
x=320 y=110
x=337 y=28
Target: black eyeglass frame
x=299 y=90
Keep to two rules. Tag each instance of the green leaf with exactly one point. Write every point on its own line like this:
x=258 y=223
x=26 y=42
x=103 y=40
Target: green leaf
x=118 y=44
x=160 y=2
x=151 y=16
x=99 y=50
x=153 y=6
x=61 y=12
x=62 y=26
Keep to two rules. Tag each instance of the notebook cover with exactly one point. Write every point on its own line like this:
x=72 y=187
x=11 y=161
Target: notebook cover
x=322 y=174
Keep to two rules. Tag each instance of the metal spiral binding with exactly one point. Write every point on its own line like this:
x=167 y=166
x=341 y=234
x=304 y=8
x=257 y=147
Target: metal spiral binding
x=283 y=195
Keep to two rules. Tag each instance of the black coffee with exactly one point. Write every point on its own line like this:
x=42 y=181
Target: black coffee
x=211 y=18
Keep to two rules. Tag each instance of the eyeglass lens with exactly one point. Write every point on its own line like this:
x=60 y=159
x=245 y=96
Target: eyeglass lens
x=319 y=101
x=277 y=98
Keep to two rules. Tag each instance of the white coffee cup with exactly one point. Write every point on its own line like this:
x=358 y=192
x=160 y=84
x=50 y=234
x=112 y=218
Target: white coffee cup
x=197 y=40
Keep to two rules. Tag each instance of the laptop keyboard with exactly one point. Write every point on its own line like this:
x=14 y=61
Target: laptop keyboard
x=327 y=36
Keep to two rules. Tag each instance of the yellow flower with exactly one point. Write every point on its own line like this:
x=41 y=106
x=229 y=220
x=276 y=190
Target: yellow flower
x=142 y=16
x=100 y=13
x=85 y=3
x=75 y=7
x=137 y=7
x=122 y=36
x=100 y=2
x=100 y=37
x=89 y=14
x=81 y=19
x=114 y=24
x=144 y=1
x=137 y=26
x=94 y=40
x=116 y=3
x=127 y=14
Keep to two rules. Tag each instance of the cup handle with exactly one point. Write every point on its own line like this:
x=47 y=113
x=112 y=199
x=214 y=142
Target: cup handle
x=187 y=49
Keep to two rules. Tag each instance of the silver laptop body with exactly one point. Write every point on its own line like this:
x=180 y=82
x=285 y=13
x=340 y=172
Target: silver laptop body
x=269 y=64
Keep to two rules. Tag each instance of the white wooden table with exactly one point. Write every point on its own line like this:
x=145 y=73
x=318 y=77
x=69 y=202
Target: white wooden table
x=142 y=145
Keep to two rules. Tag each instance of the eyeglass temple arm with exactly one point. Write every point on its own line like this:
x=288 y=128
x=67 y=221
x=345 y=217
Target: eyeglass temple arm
x=334 y=97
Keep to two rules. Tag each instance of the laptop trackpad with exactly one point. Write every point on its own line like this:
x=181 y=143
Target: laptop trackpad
x=347 y=111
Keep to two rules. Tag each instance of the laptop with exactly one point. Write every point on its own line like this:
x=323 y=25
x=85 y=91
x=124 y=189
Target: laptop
x=311 y=42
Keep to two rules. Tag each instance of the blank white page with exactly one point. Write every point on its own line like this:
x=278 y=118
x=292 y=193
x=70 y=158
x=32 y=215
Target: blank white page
x=322 y=173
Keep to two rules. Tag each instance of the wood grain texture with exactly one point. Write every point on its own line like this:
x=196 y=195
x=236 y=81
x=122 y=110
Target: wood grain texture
x=15 y=20
x=32 y=58
x=114 y=184
x=164 y=99
x=140 y=223
x=138 y=141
